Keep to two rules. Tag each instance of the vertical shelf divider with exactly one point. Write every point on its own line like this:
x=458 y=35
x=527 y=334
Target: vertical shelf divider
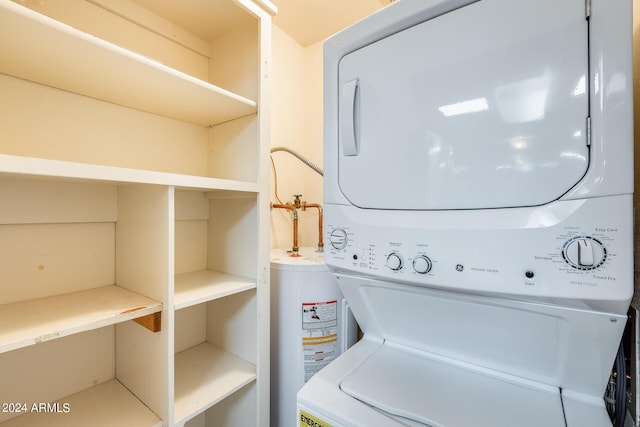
x=143 y=259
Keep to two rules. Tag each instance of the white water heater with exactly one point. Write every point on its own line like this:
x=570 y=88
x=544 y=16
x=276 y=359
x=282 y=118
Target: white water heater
x=311 y=325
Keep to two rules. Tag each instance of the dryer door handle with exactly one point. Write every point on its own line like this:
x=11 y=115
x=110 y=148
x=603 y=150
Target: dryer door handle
x=349 y=118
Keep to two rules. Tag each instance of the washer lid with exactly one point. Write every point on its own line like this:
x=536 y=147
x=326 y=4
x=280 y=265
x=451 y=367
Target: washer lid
x=436 y=393
x=482 y=107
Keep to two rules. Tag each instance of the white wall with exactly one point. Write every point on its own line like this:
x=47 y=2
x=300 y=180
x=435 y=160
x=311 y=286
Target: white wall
x=297 y=124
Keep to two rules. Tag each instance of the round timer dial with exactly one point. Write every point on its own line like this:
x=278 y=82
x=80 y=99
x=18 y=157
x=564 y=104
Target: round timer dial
x=338 y=238
x=584 y=253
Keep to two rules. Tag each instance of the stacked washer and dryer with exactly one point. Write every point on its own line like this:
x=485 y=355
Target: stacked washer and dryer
x=479 y=212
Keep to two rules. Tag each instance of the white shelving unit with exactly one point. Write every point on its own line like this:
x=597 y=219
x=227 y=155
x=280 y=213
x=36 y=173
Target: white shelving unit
x=215 y=301
x=134 y=223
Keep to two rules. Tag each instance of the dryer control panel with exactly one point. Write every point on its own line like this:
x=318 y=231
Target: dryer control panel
x=562 y=251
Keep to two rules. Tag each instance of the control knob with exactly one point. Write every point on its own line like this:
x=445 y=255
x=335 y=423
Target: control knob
x=338 y=238
x=422 y=264
x=394 y=261
x=584 y=253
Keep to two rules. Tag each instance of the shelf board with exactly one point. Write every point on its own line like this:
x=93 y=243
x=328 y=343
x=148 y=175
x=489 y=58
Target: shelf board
x=108 y=404
x=87 y=172
x=58 y=55
x=204 y=375
x=31 y=322
x=206 y=285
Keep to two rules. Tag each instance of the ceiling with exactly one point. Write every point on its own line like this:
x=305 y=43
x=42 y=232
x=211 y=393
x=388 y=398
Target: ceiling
x=310 y=21
x=306 y=21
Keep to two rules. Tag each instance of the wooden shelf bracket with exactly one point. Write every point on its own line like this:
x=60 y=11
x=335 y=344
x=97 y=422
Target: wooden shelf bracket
x=152 y=322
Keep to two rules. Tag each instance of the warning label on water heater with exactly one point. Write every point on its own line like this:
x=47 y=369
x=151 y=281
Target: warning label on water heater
x=319 y=335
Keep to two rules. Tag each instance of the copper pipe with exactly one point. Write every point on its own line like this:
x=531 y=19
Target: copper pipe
x=293 y=209
x=306 y=205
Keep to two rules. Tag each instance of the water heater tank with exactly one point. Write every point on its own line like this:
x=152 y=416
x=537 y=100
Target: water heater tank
x=311 y=325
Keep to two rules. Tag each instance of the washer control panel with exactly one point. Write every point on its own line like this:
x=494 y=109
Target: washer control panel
x=584 y=256
x=393 y=257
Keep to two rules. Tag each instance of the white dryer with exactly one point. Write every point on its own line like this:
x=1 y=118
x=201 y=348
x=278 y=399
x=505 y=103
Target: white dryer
x=478 y=205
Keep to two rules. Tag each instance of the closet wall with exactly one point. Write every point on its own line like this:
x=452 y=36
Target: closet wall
x=297 y=124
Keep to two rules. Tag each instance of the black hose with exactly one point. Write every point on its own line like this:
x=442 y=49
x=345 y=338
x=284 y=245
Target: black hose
x=621 y=388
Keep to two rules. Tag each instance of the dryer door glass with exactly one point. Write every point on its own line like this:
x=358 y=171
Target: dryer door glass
x=482 y=107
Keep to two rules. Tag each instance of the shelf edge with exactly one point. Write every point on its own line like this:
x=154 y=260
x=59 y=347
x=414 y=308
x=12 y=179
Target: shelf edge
x=47 y=168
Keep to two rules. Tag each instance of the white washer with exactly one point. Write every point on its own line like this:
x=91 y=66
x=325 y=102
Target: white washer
x=478 y=213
